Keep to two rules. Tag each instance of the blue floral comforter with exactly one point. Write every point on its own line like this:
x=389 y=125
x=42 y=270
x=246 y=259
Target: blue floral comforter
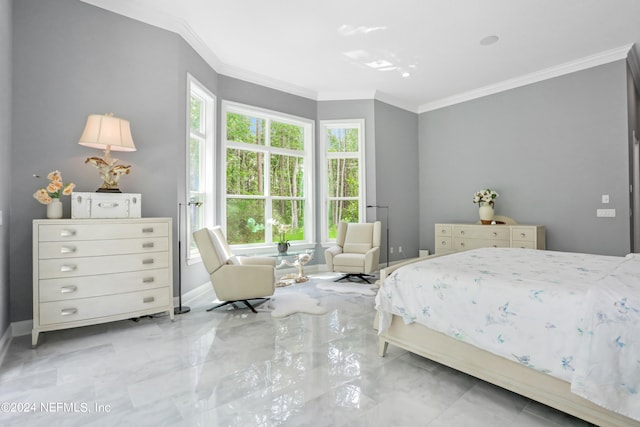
x=573 y=316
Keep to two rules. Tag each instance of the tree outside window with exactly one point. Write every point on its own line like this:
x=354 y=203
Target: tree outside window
x=268 y=175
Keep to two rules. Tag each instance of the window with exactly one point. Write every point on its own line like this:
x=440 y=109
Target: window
x=199 y=211
x=269 y=170
x=343 y=178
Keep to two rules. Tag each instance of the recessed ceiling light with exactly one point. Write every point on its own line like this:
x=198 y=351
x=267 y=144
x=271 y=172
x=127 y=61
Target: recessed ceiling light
x=380 y=63
x=489 y=40
x=406 y=74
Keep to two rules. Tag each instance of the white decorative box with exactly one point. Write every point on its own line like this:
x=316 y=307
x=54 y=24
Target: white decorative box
x=106 y=205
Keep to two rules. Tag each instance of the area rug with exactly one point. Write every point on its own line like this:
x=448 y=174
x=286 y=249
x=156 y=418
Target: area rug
x=349 y=288
x=286 y=304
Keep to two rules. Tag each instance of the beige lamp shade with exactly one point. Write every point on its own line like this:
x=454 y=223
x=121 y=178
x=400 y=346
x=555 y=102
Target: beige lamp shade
x=107 y=132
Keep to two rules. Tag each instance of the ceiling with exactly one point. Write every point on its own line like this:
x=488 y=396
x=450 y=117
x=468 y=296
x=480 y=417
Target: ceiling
x=416 y=54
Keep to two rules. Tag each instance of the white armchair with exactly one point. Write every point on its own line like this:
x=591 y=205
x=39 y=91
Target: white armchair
x=357 y=250
x=234 y=278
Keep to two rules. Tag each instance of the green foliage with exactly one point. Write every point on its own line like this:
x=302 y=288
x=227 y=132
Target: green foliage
x=287 y=136
x=246 y=176
x=247 y=129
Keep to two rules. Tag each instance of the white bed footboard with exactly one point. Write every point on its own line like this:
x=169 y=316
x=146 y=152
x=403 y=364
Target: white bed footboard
x=496 y=370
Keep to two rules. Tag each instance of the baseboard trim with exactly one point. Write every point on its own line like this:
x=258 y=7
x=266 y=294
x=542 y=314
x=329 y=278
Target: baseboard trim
x=22 y=328
x=5 y=342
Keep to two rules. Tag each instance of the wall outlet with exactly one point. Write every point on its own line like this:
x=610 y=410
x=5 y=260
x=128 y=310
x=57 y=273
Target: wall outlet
x=391 y=250
x=400 y=249
x=605 y=213
x=605 y=198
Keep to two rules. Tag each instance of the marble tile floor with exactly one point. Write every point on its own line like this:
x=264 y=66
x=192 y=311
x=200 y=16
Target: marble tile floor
x=235 y=368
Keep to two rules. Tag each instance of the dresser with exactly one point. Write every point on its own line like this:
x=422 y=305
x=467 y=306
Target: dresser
x=89 y=271
x=461 y=237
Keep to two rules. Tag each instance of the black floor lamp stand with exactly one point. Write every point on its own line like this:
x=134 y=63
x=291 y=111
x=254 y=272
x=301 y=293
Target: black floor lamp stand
x=181 y=309
x=386 y=222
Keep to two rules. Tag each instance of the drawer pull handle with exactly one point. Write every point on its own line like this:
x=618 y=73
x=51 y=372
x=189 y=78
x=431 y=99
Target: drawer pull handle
x=68 y=311
x=67 y=250
x=148 y=299
x=522 y=234
x=462 y=244
x=108 y=205
x=147 y=230
x=148 y=261
x=495 y=246
x=148 y=280
x=67 y=268
x=147 y=245
x=495 y=234
x=462 y=232
x=68 y=289
x=443 y=243
x=67 y=233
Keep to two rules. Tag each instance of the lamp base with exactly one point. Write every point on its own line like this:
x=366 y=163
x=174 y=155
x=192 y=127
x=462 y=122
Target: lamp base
x=181 y=309
x=108 y=190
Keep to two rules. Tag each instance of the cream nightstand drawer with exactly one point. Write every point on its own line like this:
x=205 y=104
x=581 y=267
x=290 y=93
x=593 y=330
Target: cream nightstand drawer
x=107 y=284
x=87 y=248
x=92 y=308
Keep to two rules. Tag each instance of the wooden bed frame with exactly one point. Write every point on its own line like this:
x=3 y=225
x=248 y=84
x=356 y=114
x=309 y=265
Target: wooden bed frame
x=494 y=369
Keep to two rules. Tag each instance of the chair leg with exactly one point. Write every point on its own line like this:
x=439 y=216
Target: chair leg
x=246 y=302
x=361 y=276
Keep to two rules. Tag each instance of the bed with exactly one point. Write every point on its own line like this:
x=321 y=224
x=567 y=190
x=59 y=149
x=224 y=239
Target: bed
x=560 y=328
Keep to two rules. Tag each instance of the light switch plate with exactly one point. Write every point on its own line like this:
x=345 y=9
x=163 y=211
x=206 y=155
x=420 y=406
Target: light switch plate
x=605 y=198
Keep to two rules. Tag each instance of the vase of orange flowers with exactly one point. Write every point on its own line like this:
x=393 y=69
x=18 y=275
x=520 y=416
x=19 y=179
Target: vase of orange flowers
x=50 y=195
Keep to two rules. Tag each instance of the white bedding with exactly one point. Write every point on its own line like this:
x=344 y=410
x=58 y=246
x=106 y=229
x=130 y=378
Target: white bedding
x=573 y=316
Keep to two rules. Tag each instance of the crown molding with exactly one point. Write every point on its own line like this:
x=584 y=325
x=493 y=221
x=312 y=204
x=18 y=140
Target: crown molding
x=259 y=79
x=544 y=74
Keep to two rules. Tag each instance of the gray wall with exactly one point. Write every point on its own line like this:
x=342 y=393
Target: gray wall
x=5 y=157
x=551 y=149
x=72 y=59
x=397 y=178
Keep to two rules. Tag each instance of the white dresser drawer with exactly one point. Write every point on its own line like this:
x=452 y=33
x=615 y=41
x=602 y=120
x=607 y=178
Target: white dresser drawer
x=107 y=284
x=87 y=248
x=523 y=234
x=488 y=232
x=91 y=266
x=463 y=244
x=443 y=230
x=103 y=306
x=126 y=229
x=443 y=244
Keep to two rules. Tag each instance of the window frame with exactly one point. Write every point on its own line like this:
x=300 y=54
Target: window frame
x=207 y=164
x=326 y=156
x=308 y=156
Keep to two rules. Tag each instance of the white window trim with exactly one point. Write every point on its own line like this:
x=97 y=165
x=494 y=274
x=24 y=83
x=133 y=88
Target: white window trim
x=326 y=156
x=309 y=165
x=194 y=86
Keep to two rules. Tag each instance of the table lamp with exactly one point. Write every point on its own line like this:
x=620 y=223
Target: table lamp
x=108 y=133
